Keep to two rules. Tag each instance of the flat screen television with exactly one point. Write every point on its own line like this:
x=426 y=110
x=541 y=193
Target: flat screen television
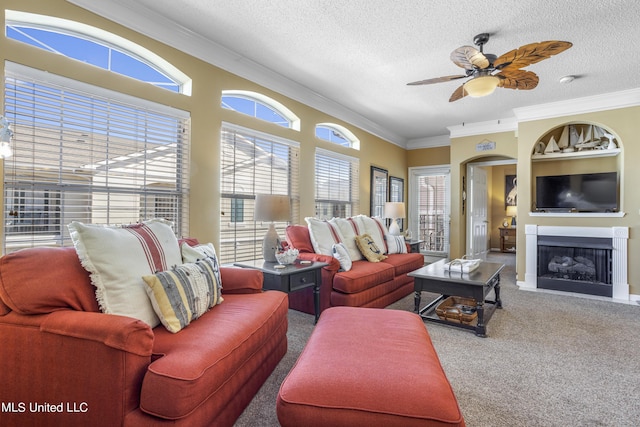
x=587 y=192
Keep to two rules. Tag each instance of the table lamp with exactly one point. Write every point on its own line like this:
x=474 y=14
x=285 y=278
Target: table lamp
x=395 y=211
x=271 y=207
x=512 y=211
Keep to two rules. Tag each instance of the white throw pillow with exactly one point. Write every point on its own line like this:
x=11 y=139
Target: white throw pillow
x=323 y=235
x=349 y=230
x=395 y=244
x=341 y=253
x=118 y=257
x=375 y=228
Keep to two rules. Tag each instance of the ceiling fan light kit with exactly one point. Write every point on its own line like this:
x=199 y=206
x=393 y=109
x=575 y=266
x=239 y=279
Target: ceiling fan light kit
x=481 y=86
x=486 y=72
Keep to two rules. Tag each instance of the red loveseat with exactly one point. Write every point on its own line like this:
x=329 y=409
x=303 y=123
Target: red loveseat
x=63 y=362
x=367 y=284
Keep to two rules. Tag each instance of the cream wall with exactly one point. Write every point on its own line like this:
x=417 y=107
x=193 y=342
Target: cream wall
x=206 y=114
x=625 y=125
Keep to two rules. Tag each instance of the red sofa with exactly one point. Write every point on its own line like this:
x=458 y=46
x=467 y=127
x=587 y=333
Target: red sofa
x=63 y=362
x=367 y=284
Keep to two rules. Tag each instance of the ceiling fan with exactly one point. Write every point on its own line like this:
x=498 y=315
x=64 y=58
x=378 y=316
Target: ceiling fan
x=487 y=71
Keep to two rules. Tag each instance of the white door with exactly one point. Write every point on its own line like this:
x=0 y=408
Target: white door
x=478 y=216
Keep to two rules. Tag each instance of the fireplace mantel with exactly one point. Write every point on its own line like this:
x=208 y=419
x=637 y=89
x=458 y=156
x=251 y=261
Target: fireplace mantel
x=619 y=236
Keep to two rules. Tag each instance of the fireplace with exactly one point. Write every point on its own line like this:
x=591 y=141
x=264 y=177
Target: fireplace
x=575 y=264
x=582 y=260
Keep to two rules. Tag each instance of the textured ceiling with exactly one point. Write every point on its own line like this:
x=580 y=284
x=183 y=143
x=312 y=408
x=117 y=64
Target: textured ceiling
x=359 y=54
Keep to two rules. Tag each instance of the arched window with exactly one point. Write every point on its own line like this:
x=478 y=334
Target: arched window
x=337 y=134
x=96 y=47
x=261 y=107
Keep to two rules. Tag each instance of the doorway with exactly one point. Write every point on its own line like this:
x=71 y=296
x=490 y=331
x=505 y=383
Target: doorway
x=486 y=210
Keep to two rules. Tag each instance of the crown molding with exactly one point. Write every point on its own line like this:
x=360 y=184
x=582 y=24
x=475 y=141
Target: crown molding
x=480 y=128
x=429 y=142
x=138 y=18
x=587 y=104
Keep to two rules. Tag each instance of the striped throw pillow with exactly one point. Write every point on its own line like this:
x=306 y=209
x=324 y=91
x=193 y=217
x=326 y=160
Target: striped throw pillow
x=395 y=244
x=184 y=293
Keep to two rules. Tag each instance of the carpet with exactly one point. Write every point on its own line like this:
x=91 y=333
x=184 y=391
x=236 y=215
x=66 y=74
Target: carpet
x=549 y=360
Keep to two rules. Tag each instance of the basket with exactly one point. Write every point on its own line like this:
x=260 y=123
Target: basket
x=458 y=310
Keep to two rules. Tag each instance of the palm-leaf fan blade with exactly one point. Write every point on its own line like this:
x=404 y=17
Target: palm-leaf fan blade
x=458 y=94
x=530 y=54
x=469 y=57
x=517 y=79
x=436 y=80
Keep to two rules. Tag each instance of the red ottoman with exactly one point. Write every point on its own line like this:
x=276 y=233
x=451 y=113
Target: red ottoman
x=366 y=367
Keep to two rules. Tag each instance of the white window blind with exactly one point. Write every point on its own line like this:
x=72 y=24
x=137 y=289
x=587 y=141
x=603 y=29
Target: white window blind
x=336 y=185
x=253 y=163
x=87 y=154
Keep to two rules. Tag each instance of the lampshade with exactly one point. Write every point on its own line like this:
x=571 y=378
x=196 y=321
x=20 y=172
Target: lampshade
x=272 y=207
x=394 y=210
x=481 y=86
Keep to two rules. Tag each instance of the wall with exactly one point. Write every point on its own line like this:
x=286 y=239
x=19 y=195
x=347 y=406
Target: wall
x=206 y=114
x=625 y=125
x=496 y=201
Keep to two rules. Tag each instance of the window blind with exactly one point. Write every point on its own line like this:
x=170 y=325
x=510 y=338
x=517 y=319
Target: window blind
x=88 y=154
x=253 y=163
x=336 y=185
x=432 y=206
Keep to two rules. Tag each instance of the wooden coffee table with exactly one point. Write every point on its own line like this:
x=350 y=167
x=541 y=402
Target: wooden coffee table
x=477 y=285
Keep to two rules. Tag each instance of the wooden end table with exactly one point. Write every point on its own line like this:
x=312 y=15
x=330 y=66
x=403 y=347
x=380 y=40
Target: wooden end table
x=477 y=285
x=291 y=278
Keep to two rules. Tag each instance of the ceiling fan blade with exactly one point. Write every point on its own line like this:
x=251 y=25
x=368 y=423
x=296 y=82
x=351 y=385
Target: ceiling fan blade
x=517 y=79
x=530 y=54
x=468 y=57
x=458 y=94
x=436 y=80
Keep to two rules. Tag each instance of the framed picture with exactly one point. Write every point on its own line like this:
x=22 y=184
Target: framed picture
x=510 y=191
x=379 y=190
x=396 y=194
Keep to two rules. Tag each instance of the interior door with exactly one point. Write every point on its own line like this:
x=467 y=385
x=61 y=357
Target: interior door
x=478 y=216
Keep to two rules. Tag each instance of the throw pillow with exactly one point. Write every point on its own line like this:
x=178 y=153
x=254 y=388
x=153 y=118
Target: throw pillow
x=323 y=235
x=117 y=258
x=395 y=244
x=184 y=293
x=375 y=228
x=196 y=253
x=349 y=230
x=369 y=249
x=341 y=253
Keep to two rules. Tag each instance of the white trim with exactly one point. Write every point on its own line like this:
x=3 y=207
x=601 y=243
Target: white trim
x=74 y=28
x=137 y=17
x=429 y=142
x=482 y=128
x=588 y=104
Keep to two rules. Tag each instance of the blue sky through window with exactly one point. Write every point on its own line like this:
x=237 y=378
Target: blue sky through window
x=254 y=108
x=93 y=53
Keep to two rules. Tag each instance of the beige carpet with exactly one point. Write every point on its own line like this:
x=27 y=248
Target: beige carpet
x=549 y=360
